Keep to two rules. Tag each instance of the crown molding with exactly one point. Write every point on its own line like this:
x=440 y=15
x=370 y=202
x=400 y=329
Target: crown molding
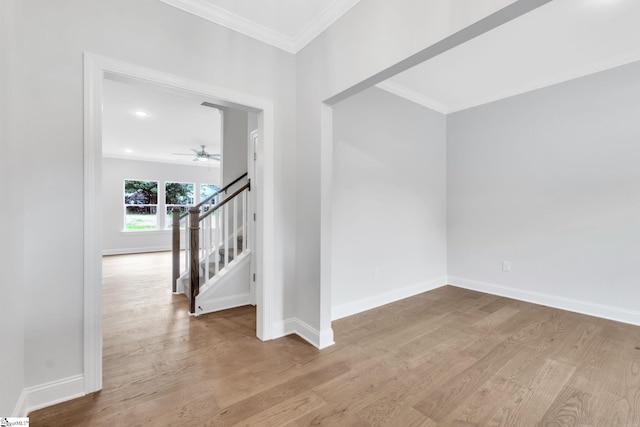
x=234 y=22
x=259 y=32
x=413 y=96
x=595 y=67
x=321 y=22
x=185 y=162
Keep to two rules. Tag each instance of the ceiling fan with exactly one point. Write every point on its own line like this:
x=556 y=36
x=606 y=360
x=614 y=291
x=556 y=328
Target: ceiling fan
x=201 y=155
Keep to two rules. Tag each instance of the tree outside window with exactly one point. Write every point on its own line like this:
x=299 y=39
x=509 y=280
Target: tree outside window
x=141 y=202
x=180 y=195
x=207 y=190
x=141 y=205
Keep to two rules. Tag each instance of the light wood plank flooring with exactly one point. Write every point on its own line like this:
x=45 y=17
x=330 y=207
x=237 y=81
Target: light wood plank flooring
x=450 y=357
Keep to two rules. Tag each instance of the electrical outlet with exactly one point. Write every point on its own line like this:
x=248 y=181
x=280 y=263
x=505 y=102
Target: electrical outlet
x=506 y=266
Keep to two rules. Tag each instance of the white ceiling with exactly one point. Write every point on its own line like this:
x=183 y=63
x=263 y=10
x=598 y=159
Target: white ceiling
x=286 y=24
x=560 y=41
x=174 y=124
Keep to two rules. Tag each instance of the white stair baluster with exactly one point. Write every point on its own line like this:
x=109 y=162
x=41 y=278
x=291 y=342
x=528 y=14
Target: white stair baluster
x=216 y=241
x=201 y=249
x=243 y=229
x=186 y=245
x=235 y=228
x=207 y=245
x=225 y=234
x=212 y=231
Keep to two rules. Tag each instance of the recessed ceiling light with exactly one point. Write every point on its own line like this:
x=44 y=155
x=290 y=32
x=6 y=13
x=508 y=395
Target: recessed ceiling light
x=141 y=114
x=128 y=150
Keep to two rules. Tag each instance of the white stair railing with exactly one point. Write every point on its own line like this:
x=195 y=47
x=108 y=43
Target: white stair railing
x=211 y=247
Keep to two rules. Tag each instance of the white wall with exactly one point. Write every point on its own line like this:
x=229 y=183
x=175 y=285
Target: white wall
x=252 y=122
x=146 y=33
x=389 y=201
x=12 y=284
x=549 y=182
x=373 y=36
x=234 y=144
x=115 y=171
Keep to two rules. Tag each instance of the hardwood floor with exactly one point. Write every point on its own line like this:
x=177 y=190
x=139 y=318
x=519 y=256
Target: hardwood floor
x=449 y=357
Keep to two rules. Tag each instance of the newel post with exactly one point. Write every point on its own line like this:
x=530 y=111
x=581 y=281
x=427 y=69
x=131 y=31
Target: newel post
x=175 y=247
x=194 y=269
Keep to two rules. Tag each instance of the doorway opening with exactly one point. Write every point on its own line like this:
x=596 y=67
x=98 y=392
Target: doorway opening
x=97 y=69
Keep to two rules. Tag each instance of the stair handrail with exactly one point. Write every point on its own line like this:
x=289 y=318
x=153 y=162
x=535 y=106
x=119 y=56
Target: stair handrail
x=218 y=205
x=177 y=217
x=194 y=242
x=215 y=193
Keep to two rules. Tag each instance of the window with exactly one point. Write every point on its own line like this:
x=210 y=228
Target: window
x=180 y=195
x=140 y=205
x=206 y=190
x=141 y=202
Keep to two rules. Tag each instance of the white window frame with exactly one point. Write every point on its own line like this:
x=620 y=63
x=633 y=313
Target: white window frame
x=126 y=205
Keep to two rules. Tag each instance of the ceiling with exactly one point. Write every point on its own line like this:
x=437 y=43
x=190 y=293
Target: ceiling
x=559 y=41
x=286 y=24
x=173 y=124
x=562 y=40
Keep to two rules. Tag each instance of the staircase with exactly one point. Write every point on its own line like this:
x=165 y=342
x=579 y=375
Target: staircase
x=217 y=261
x=212 y=268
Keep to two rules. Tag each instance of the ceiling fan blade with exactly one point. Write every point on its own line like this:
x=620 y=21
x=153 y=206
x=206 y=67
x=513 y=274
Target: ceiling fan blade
x=201 y=155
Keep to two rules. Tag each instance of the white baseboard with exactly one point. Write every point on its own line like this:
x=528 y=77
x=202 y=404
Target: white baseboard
x=583 y=307
x=323 y=339
x=224 y=303
x=284 y=327
x=21 y=410
x=378 y=300
x=125 y=251
x=326 y=338
x=319 y=339
x=52 y=393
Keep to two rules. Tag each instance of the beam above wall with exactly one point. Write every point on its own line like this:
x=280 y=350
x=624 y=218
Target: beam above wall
x=484 y=25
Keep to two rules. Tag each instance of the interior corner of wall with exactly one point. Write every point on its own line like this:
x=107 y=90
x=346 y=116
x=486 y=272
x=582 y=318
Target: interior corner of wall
x=21 y=410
